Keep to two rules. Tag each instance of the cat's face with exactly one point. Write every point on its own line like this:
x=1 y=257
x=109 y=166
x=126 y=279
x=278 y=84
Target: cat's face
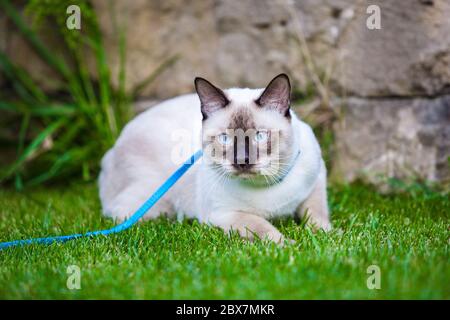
x=247 y=133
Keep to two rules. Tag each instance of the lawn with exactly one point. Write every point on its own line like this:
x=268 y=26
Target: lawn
x=405 y=235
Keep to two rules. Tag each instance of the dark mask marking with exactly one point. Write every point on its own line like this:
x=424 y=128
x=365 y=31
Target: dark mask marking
x=242 y=119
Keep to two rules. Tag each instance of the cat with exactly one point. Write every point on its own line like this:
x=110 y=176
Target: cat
x=259 y=161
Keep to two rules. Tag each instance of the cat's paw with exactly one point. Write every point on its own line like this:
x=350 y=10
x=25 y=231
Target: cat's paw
x=287 y=241
x=116 y=214
x=320 y=224
x=278 y=238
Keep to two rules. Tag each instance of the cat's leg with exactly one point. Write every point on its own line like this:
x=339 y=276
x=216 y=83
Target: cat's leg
x=247 y=225
x=131 y=198
x=315 y=207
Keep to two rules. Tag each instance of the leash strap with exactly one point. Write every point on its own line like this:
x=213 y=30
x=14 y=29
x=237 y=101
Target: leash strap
x=124 y=225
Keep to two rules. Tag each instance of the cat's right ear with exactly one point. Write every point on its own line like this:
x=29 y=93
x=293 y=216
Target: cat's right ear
x=211 y=97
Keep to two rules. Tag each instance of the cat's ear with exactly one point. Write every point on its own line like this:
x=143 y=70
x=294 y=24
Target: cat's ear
x=277 y=95
x=211 y=97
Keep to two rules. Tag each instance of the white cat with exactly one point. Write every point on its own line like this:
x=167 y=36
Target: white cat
x=260 y=161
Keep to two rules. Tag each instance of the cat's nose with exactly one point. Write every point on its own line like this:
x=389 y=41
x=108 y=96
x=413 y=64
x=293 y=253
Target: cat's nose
x=243 y=166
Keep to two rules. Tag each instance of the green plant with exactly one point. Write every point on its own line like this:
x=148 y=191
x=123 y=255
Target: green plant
x=405 y=234
x=64 y=135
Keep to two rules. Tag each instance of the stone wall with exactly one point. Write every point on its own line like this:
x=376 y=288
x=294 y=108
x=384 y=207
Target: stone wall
x=393 y=137
x=389 y=87
x=396 y=121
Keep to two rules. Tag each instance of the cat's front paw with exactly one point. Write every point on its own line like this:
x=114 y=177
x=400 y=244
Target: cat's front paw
x=320 y=224
x=117 y=214
x=278 y=238
x=286 y=241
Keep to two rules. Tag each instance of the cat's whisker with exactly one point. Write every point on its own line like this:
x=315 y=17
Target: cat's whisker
x=216 y=179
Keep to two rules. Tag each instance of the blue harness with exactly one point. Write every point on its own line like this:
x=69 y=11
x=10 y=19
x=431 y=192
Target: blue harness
x=124 y=225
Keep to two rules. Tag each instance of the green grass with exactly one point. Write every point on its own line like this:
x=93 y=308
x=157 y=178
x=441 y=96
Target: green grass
x=406 y=235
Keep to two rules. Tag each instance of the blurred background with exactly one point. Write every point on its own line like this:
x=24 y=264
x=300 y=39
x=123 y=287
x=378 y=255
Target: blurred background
x=378 y=99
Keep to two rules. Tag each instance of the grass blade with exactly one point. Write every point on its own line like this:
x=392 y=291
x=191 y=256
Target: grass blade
x=34 y=145
x=150 y=78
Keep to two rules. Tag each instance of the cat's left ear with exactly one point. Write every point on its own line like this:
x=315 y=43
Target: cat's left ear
x=277 y=95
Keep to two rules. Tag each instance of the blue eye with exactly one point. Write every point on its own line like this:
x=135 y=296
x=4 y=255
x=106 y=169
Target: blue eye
x=261 y=136
x=223 y=138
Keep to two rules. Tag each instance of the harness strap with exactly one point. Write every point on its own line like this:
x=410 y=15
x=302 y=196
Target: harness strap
x=124 y=225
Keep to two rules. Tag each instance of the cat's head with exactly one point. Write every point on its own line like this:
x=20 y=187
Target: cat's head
x=247 y=133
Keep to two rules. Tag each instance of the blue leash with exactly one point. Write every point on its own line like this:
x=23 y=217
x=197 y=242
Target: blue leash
x=124 y=225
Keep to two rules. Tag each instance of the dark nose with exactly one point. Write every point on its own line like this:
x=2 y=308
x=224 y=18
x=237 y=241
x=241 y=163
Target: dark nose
x=242 y=162
x=242 y=166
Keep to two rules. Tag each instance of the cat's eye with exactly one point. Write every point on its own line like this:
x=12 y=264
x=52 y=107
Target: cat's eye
x=261 y=136
x=224 y=138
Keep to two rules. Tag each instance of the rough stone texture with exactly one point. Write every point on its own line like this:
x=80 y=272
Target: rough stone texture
x=409 y=56
x=400 y=126
x=232 y=43
x=156 y=31
x=401 y=138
